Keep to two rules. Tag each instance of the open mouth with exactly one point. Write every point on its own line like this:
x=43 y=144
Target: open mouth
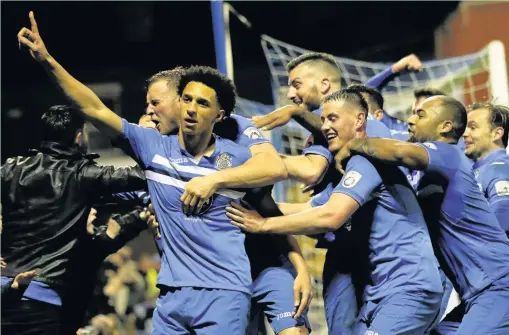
x=190 y=122
x=331 y=136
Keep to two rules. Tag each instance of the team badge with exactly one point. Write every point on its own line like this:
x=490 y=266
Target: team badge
x=224 y=161
x=253 y=133
x=351 y=179
x=502 y=187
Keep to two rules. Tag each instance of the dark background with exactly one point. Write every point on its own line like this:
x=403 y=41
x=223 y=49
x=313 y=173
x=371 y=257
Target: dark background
x=126 y=42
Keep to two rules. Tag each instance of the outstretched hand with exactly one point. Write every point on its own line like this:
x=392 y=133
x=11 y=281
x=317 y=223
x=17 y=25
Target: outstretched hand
x=244 y=218
x=341 y=157
x=31 y=39
x=275 y=119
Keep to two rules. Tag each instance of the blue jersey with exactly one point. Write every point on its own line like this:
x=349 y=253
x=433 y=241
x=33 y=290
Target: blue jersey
x=244 y=133
x=492 y=175
x=390 y=223
x=394 y=124
x=471 y=246
x=200 y=251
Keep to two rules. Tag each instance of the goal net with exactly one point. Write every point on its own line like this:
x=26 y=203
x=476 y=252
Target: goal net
x=480 y=76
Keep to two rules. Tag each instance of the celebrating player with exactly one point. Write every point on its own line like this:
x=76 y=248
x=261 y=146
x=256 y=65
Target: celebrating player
x=471 y=246
x=485 y=143
x=393 y=249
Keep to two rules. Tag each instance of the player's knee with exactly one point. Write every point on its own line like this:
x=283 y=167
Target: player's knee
x=300 y=330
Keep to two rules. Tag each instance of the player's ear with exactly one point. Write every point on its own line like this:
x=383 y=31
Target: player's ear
x=220 y=116
x=497 y=133
x=379 y=114
x=360 y=120
x=325 y=86
x=446 y=127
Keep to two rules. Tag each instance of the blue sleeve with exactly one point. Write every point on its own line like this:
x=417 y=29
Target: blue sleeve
x=497 y=193
x=319 y=150
x=142 y=141
x=321 y=198
x=360 y=179
x=381 y=79
x=442 y=158
x=248 y=134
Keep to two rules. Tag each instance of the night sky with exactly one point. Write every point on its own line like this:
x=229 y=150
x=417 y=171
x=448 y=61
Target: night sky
x=129 y=41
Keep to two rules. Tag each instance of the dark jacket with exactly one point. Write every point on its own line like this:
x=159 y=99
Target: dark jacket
x=46 y=199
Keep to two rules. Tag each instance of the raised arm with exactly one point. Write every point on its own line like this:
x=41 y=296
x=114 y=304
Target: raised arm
x=390 y=151
x=410 y=63
x=80 y=95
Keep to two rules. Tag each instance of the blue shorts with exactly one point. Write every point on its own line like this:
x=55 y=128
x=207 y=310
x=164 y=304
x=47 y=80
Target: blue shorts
x=488 y=311
x=273 y=295
x=339 y=297
x=200 y=311
x=401 y=313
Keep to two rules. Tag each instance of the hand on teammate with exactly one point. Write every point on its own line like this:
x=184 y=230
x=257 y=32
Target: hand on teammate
x=408 y=63
x=341 y=157
x=31 y=39
x=244 y=218
x=21 y=278
x=277 y=118
x=198 y=191
x=149 y=216
x=302 y=294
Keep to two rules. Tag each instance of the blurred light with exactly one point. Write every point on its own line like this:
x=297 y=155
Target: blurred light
x=14 y=113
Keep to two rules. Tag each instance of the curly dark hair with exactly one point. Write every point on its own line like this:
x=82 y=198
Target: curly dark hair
x=226 y=91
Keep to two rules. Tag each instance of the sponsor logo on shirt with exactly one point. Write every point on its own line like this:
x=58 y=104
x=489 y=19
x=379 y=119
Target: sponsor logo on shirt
x=430 y=145
x=253 y=133
x=370 y=332
x=502 y=187
x=178 y=160
x=284 y=315
x=224 y=161
x=351 y=179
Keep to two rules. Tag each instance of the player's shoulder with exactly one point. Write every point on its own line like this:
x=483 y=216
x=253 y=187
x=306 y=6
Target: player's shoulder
x=246 y=127
x=498 y=168
x=230 y=153
x=358 y=161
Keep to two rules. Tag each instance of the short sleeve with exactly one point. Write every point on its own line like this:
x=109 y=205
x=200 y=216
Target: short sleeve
x=442 y=158
x=497 y=192
x=360 y=179
x=248 y=134
x=321 y=198
x=319 y=150
x=142 y=141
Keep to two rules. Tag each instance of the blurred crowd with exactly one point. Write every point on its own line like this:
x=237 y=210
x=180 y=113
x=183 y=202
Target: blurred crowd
x=125 y=294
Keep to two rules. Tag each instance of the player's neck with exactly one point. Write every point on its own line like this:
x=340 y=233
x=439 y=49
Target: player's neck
x=197 y=145
x=361 y=134
x=492 y=148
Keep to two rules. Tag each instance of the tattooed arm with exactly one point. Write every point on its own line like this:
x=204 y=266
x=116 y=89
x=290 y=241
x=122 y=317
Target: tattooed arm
x=396 y=152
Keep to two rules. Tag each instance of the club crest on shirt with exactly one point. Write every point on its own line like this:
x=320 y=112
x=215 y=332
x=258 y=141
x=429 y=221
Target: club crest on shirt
x=224 y=161
x=502 y=187
x=351 y=179
x=253 y=133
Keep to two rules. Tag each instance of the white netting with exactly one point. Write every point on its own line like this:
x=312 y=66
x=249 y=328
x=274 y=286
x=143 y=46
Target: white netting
x=467 y=78
x=475 y=77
